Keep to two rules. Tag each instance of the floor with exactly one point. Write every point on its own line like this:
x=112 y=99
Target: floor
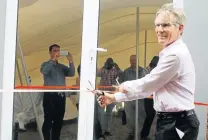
x=69 y=131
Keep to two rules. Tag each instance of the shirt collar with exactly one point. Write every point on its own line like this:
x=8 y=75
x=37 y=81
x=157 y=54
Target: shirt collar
x=172 y=45
x=131 y=69
x=55 y=63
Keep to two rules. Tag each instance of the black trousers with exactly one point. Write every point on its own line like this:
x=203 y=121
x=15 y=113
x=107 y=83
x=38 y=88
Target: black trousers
x=167 y=124
x=97 y=125
x=54 y=109
x=150 y=114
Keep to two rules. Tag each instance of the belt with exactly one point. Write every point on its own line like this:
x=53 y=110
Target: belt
x=170 y=115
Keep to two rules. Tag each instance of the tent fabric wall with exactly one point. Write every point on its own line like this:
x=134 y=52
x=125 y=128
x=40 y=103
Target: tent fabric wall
x=23 y=111
x=61 y=23
x=124 y=45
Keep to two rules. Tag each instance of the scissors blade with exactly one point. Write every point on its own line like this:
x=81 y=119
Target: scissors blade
x=117 y=87
x=96 y=92
x=90 y=84
x=117 y=81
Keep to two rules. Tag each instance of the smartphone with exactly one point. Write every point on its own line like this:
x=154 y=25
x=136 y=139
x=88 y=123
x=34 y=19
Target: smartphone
x=63 y=53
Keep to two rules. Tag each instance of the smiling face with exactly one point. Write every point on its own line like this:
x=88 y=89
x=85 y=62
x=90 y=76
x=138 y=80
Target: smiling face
x=167 y=29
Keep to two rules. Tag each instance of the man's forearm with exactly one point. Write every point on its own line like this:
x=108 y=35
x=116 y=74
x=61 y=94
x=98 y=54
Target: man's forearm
x=71 y=69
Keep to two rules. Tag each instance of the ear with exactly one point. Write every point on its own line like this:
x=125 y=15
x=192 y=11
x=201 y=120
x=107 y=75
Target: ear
x=181 y=27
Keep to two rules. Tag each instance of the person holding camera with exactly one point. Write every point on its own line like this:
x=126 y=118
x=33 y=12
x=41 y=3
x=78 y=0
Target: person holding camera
x=54 y=74
x=108 y=73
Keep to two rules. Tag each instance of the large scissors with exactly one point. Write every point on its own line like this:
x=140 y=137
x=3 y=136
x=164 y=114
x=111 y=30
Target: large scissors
x=118 y=84
x=98 y=93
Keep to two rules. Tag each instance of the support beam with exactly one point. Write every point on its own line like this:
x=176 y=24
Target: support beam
x=137 y=63
x=28 y=84
x=88 y=68
x=145 y=48
x=195 y=36
x=8 y=26
x=19 y=73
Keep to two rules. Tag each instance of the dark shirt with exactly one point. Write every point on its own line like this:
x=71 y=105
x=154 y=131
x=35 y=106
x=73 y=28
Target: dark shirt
x=129 y=74
x=54 y=73
x=108 y=78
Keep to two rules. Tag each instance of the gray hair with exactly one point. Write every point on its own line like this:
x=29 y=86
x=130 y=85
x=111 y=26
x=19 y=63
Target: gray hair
x=169 y=9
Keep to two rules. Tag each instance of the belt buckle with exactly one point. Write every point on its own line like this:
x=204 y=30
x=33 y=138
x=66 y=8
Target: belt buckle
x=163 y=116
x=189 y=113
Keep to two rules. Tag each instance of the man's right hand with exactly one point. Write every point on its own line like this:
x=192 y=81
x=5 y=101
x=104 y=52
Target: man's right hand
x=106 y=99
x=55 y=58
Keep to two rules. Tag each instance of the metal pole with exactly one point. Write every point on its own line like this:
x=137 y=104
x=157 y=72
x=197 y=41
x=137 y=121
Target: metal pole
x=145 y=49
x=19 y=74
x=137 y=64
x=20 y=77
x=16 y=128
x=28 y=83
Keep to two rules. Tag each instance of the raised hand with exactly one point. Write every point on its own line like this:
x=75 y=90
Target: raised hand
x=70 y=58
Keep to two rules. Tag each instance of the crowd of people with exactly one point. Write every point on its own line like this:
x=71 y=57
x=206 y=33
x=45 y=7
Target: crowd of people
x=54 y=74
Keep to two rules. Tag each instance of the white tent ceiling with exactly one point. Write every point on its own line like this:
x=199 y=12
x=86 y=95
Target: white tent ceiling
x=44 y=22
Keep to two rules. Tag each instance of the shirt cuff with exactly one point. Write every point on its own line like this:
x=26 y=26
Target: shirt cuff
x=127 y=86
x=71 y=62
x=120 y=97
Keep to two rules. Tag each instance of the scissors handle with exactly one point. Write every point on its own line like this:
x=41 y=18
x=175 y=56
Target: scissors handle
x=99 y=93
x=115 y=86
